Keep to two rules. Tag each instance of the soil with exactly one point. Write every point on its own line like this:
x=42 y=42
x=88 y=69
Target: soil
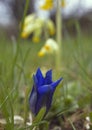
x=75 y=121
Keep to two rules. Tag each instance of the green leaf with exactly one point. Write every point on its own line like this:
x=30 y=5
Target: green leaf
x=40 y=115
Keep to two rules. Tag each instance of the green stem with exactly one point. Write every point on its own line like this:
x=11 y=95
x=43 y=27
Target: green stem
x=58 y=35
x=17 y=43
x=17 y=51
x=77 y=25
x=24 y=15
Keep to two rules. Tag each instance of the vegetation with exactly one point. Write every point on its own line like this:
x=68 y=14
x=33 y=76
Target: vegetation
x=19 y=61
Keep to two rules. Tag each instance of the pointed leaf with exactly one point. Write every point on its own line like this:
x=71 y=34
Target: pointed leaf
x=40 y=115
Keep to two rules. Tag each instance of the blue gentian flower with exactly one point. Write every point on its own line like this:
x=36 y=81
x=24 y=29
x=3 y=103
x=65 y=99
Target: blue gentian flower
x=42 y=91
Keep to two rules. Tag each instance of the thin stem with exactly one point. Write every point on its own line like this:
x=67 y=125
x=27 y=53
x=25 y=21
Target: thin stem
x=58 y=34
x=24 y=14
x=18 y=41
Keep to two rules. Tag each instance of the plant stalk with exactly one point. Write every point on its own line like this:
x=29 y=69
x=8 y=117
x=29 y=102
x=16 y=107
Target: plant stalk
x=58 y=34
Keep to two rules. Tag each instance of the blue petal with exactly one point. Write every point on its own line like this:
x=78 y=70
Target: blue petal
x=39 y=103
x=49 y=101
x=43 y=100
x=33 y=99
x=55 y=84
x=39 y=77
x=48 y=78
x=45 y=89
x=35 y=80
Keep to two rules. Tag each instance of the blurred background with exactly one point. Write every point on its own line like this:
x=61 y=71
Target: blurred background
x=11 y=13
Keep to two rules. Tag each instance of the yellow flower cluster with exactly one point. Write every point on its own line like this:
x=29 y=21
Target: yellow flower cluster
x=49 y=4
x=35 y=26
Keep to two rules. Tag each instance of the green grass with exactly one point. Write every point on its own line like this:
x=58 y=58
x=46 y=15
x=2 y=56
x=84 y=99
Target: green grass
x=17 y=67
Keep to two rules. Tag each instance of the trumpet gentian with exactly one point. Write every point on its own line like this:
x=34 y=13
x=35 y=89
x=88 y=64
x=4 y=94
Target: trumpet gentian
x=42 y=91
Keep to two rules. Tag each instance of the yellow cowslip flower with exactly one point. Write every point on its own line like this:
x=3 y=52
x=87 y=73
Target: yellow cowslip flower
x=48 y=4
x=27 y=30
x=63 y=4
x=49 y=47
x=35 y=39
x=24 y=35
x=42 y=52
x=51 y=27
x=29 y=19
x=37 y=35
x=30 y=25
x=39 y=23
